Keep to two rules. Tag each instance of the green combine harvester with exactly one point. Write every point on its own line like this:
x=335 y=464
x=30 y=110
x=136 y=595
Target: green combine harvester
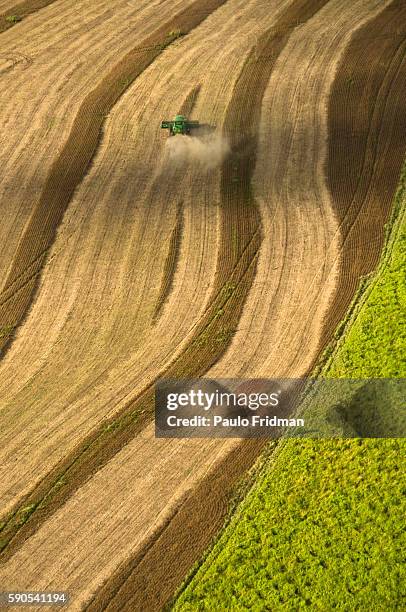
x=180 y=125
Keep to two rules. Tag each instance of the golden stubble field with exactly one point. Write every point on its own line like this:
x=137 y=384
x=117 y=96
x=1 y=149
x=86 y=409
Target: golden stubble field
x=117 y=266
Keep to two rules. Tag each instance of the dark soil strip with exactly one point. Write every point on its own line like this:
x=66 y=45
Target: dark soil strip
x=68 y=170
x=170 y=263
x=190 y=101
x=21 y=10
x=367 y=146
x=150 y=579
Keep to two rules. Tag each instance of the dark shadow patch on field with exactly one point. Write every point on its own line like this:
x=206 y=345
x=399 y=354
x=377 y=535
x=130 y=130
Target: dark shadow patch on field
x=373 y=411
x=367 y=145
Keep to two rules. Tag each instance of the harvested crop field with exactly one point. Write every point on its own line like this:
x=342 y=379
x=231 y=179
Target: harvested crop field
x=123 y=260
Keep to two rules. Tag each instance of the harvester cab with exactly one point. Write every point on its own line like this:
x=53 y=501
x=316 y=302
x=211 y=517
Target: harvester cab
x=180 y=125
